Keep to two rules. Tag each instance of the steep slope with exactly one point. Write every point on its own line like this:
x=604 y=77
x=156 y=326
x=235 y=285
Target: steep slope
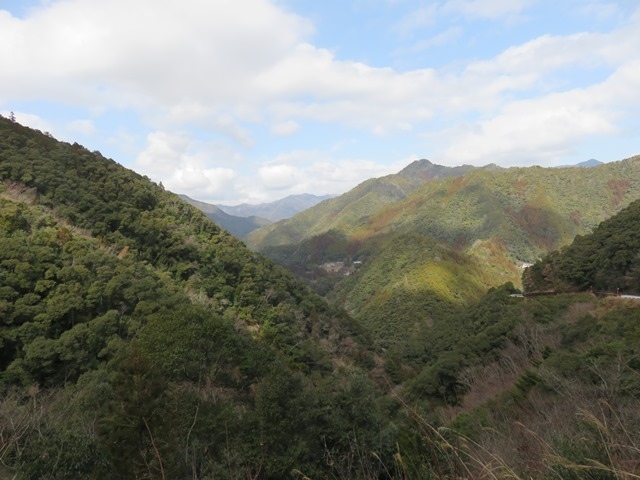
x=538 y=209
x=279 y=210
x=488 y=223
x=559 y=397
x=140 y=340
x=530 y=210
x=607 y=260
x=236 y=225
x=345 y=212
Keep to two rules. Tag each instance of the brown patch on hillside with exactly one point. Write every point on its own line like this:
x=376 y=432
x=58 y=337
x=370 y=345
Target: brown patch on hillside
x=457 y=184
x=535 y=222
x=618 y=188
x=20 y=192
x=521 y=186
x=576 y=217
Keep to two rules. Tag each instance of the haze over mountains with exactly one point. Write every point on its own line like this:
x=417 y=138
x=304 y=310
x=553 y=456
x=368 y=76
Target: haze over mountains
x=140 y=340
x=278 y=210
x=240 y=220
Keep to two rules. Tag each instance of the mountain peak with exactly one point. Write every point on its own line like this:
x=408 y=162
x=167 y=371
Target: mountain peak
x=589 y=163
x=426 y=170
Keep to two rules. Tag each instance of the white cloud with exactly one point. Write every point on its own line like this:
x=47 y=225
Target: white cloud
x=542 y=130
x=279 y=177
x=157 y=52
x=230 y=68
x=184 y=165
x=284 y=129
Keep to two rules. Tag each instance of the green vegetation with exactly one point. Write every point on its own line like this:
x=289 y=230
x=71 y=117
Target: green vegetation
x=154 y=343
x=139 y=340
x=608 y=260
x=440 y=244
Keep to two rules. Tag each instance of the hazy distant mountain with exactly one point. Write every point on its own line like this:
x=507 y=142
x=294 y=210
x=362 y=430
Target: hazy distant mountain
x=586 y=164
x=238 y=226
x=589 y=163
x=278 y=210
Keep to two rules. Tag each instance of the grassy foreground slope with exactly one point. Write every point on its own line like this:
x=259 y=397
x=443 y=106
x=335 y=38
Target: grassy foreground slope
x=560 y=398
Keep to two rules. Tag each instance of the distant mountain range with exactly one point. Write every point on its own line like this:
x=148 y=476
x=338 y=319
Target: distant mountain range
x=238 y=226
x=240 y=220
x=278 y=210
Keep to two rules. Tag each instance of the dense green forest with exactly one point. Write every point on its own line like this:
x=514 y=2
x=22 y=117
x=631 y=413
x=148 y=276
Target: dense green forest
x=432 y=239
x=139 y=340
x=608 y=260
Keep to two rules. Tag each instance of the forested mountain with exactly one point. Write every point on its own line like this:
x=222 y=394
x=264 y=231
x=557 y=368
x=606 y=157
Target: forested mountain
x=236 y=225
x=279 y=210
x=139 y=340
x=443 y=242
x=607 y=260
x=343 y=213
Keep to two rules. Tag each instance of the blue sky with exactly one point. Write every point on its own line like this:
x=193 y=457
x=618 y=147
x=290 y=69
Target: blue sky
x=234 y=101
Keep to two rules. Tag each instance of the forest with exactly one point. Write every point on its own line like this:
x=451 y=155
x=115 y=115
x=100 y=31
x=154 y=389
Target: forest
x=140 y=340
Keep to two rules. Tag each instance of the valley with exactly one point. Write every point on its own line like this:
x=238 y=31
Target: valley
x=141 y=340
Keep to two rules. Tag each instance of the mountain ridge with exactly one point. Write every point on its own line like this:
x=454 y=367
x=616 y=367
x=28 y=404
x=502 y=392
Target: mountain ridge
x=238 y=226
x=492 y=221
x=277 y=210
x=140 y=340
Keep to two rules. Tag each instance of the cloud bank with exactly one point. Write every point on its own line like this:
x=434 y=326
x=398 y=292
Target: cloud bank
x=232 y=100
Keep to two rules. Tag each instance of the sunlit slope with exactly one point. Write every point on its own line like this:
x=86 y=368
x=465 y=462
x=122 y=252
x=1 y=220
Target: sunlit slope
x=347 y=212
x=485 y=225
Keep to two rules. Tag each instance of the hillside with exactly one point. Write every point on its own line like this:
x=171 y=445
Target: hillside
x=560 y=398
x=492 y=221
x=343 y=213
x=139 y=340
x=236 y=225
x=607 y=260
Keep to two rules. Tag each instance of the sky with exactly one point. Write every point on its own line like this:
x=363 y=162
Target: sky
x=233 y=101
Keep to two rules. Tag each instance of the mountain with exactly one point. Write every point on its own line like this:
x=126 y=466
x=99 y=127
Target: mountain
x=586 y=164
x=238 y=226
x=606 y=260
x=343 y=213
x=139 y=340
x=589 y=163
x=443 y=242
x=278 y=210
